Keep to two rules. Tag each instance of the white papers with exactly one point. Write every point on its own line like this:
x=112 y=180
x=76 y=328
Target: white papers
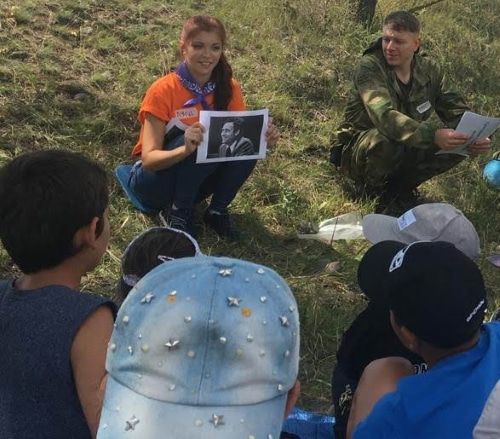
x=477 y=127
x=233 y=135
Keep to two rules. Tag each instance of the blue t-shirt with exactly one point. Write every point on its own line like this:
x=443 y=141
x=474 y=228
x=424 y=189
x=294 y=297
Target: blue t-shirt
x=446 y=402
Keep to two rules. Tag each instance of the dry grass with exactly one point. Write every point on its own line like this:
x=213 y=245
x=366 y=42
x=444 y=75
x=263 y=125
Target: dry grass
x=73 y=73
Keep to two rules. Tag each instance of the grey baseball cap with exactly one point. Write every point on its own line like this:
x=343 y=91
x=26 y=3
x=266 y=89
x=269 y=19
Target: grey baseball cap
x=427 y=222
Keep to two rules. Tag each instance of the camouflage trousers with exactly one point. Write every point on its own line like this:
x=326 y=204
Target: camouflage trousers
x=373 y=160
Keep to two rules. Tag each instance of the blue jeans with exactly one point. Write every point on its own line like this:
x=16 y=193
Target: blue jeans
x=187 y=183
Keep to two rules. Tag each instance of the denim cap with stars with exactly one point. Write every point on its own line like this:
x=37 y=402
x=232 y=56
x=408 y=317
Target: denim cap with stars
x=203 y=347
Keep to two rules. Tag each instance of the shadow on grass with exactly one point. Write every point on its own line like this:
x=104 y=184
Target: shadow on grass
x=328 y=301
x=326 y=305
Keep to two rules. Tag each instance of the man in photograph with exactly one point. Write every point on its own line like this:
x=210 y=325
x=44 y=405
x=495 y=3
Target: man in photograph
x=233 y=142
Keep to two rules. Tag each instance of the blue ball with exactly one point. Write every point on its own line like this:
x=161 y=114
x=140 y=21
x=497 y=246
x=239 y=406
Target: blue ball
x=491 y=173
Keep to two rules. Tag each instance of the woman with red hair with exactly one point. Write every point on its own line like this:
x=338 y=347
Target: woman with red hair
x=167 y=178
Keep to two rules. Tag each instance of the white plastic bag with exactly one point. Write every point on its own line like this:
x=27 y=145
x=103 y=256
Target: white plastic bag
x=346 y=226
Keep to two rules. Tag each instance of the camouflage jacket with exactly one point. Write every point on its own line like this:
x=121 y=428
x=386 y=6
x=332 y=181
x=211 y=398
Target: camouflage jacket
x=377 y=101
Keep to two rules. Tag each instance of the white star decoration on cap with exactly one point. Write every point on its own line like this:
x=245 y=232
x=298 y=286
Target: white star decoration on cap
x=131 y=423
x=233 y=301
x=172 y=344
x=148 y=298
x=217 y=420
x=224 y=272
x=284 y=321
x=262 y=305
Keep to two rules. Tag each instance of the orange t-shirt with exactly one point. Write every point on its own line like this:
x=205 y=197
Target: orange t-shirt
x=165 y=98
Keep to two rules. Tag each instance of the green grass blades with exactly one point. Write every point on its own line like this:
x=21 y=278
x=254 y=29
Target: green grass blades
x=72 y=75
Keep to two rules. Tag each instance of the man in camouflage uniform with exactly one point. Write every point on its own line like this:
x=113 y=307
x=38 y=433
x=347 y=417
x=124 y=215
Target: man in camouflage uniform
x=388 y=141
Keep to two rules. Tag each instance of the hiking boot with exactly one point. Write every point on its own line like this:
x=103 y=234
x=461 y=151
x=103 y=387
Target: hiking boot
x=221 y=223
x=180 y=219
x=396 y=202
x=365 y=192
x=336 y=155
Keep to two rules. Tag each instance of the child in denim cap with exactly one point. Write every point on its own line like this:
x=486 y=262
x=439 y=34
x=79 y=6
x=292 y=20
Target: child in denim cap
x=54 y=225
x=204 y=347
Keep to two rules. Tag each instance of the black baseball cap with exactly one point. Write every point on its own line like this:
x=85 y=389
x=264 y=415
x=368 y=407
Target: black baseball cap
x=432 y=288
x=370 y=281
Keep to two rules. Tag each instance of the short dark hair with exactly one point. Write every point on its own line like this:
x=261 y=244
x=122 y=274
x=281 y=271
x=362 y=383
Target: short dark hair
x=45 y=197
x=150 y=249
x=403 y=21
x=237 y=122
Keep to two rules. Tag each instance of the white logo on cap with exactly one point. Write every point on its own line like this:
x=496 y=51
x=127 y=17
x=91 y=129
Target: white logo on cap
x=397 y=260
x=474 y=311
x=407 y=219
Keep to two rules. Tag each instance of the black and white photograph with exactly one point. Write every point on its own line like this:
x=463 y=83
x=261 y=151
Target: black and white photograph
x=233 y=135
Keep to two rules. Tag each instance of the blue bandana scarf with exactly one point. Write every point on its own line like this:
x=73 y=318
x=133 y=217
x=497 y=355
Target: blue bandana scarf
x=200 y=92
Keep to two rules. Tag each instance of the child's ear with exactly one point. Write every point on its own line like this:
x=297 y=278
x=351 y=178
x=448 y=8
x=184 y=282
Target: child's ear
x=292 y=397
x=408 y=338
x=86 y=236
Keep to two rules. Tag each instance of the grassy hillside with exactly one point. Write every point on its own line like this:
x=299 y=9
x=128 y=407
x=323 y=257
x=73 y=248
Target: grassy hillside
x=72 y=75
